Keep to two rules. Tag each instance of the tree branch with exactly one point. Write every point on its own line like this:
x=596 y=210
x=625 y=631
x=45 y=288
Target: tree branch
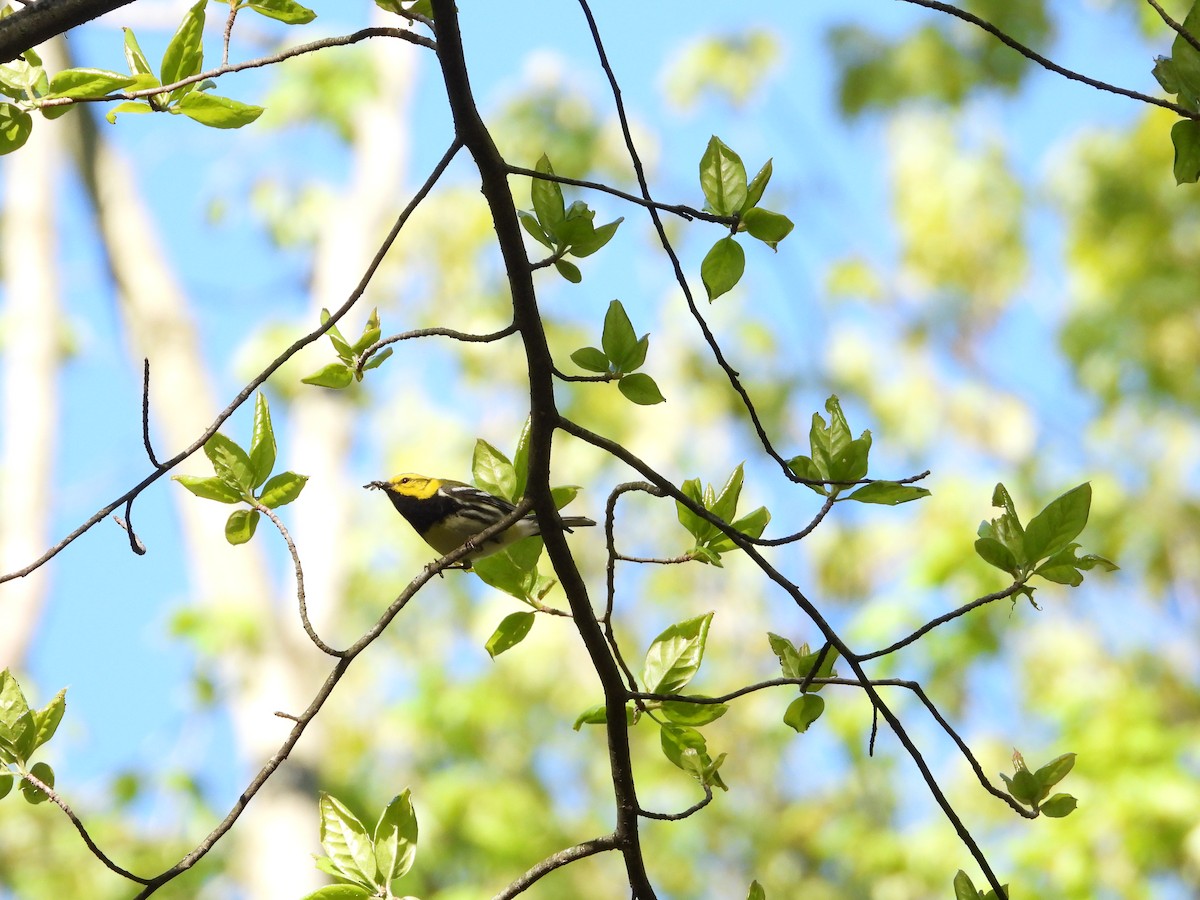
x=43 y=20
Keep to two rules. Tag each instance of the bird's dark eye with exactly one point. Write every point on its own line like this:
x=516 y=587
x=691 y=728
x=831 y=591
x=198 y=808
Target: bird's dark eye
x=404 y=481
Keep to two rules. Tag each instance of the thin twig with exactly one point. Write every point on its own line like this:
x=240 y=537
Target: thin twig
x=1175 y=26
x=686 y=212
x=300 y=597
x=266 y=373
x=942 y=620
x=466 y=336
x=146 y=412
x=675 y=817
x=556 y=861
x=1052 y=66
x=83 y=832
x=226 y=69
x=227 y=37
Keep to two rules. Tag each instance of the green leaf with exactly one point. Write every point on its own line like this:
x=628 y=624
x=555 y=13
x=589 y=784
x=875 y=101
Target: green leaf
x=722 y=267
x=131 y=106
x=758 y=184
x=521 y=459
x=138 y=64
x=396 y=838
x=6 y=784
x=15 y=127
x=564 y=494
x=687 y=749
x=282 y=489
x=22 y=736
x=530 y=222
x=240 y=525
x=591 y=359
x=641 y=389
x=547 y=198
x=994 y=553
x=509 y=570
x=888 y=493
x=217 y=112
x=752 y=525
x=1058 y=524
x=695 y=525
x=1023 y=787
x=618 y=339
x=789 y=657
x=493 y=472
x=370 y=334
x=377 y=359
x=803 y=711
x=569 y=271
x=593 y=715
x=347 y=843
x=766 y=226
x=340 y=892
x=805 y=467
x=510 y=632
x=1185 y=137
x=693 y=714
x=262 y=441
x=287 y=11
x=596 y=239
x=13 y=704
x=849 y=462
x=725 y=505
x=1059 y=806
x=675 y=655
x=84 y=83
x=230 y=462
x=1055 y=771
x=44 y=774
x=48 y=718
x=722 y=178
x=334 y=375
x=963 y=888
x=210 y=488
x=185 y=53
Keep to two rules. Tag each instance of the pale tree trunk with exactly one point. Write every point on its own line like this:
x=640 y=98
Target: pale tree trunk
x=32 y=344
x=273 y=841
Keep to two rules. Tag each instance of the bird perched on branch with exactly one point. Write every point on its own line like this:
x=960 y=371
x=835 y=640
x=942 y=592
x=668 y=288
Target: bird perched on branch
x=448 y=514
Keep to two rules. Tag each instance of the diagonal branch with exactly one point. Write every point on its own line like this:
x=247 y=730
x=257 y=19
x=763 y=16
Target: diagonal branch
x=41 y=21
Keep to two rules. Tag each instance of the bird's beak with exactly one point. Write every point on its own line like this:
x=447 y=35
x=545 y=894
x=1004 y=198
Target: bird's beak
x=370 y=486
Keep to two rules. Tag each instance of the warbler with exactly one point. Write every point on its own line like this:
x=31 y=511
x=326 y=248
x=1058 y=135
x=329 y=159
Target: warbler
x=448 y=514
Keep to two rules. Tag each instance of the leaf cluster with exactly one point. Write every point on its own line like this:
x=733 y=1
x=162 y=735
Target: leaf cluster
x=839 y=460
x=564 y=230
x=1179 y=74
x=620 y=354
x=804 y=664
x=1045 y=547
x=346 y=370
x=728 y=193
x=366 y=863
x=22 y=731
x=240 y=474
x=1033 y=788
x=711 y=542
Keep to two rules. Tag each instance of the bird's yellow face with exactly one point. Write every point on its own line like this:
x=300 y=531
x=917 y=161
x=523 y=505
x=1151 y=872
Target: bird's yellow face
x=409 y=484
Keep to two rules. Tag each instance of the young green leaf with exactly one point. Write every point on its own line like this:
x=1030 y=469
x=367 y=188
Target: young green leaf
x=240 y=525
x=184 y=55
x=346 y=841
x=1059 y=806
x=47 y=719
x=282 y=489
x=87 y=83
x=758 y=184
x=994 y=553
x=492 y=470
x=531 y=225
x=339 y=891
x=138 y=64
x=768 y=227
x=593 y=715
x=335 y=375
x=618 y=338
x=675 y=655
x=722 y=178
x=131 y=106
x=591 y=359
x=13 y=704
x=722 y=267
x=210 y=488
x=35 y=795
x=1059 y=523
x=370 y=334
x=789 y=656
x=641 y=389
x=287 y=11
x=396 y=838
x=803 y=711
x=262 y=442
x=547 y=198
x=6 y=783
x=568 y=270
x=693 y=714
x=1055 y=771
x=217 y=112
x=510 y=632
x=230 y=461
x=15 y=127
x=963 y=888
x=597 y=238
x=887 y=493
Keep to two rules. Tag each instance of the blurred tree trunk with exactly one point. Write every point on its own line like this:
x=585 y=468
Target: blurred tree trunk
x=32 y=350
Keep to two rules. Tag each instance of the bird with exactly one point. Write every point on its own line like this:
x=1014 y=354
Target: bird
x=447 y=514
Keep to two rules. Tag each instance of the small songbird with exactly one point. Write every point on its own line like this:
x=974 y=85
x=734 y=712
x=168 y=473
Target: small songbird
x=447 y=514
